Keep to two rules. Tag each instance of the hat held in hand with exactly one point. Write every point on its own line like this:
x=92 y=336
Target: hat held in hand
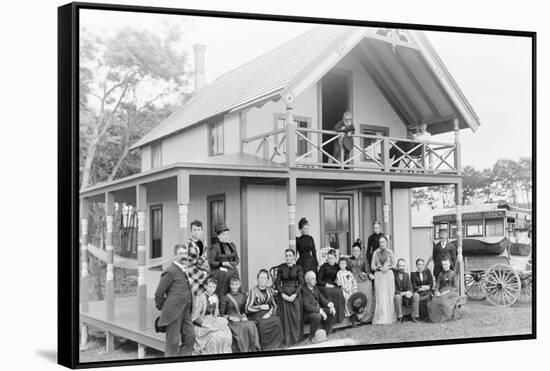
x=320 y=336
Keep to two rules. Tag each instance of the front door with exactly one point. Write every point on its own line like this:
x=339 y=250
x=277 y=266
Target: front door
x=336 y=222
x=335 y=96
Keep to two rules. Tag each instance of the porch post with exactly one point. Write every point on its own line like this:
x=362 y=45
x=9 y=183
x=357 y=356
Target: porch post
x=459 y=258
x=291 y=147
x=386 y=207
x=109 y=279
x=458 y=154
x=183 y=195
x=386 y=162
x=84 y=294
x=141 y=206
x=291 y=201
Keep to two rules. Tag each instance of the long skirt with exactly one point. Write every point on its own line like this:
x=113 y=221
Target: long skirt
x=245 y=336
x=425 y=300
x=270 y=330
x=366 y=288
x=291 y=317
x=441 y=307
x=384 y=292
x=223 y=278
x=335 y=295
x=214 y=339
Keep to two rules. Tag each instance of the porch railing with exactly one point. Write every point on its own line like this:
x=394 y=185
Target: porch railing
x=315 y=148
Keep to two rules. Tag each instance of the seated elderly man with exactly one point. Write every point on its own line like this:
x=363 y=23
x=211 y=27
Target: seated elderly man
x=404 y=294
x=317 y=308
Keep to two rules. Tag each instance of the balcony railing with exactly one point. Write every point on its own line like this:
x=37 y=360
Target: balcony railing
x=314 y=148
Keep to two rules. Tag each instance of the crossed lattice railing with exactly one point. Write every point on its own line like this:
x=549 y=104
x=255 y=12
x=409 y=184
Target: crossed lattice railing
x=421 y=156
x=271 y=145
x=316 y=148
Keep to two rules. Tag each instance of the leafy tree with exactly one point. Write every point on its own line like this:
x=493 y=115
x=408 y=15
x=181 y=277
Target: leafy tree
x=130 y=81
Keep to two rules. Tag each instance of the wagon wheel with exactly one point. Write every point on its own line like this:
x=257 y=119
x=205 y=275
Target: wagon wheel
x=526 y=287
x=474 y=283
x=503 y=285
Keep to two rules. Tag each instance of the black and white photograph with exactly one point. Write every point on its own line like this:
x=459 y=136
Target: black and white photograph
x=251 y=186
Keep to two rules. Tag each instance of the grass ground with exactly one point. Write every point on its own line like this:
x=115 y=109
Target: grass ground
x=477 y=319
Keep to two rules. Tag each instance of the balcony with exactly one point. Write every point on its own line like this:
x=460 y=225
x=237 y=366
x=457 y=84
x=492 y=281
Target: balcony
x=313 y=148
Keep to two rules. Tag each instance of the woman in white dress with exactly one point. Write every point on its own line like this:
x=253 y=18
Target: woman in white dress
x=382 y=264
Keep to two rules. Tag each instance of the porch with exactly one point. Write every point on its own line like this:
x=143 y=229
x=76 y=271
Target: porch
x=245 y=186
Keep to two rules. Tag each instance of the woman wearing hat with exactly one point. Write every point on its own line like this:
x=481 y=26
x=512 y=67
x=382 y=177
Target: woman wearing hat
x=223 y=259
x=289 y=282
x=360 y=268
x=382 y=264
x=305 y=246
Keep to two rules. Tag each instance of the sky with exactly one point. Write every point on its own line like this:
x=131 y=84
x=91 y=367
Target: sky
x=493 y=72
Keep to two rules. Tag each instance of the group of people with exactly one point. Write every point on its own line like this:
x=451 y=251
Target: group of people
x=343 y=147
x=203 y=309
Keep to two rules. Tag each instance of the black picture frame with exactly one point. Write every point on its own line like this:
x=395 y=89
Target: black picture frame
x=68 y=179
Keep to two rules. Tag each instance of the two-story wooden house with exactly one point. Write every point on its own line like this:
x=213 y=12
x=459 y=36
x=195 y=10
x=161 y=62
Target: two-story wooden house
x=254 y=148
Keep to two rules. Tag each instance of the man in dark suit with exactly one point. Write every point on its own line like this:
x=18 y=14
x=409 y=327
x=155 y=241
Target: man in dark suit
x=344 y=145
x=404 y=294
x=422 y=283
x=443 y=249
x=317 y=308
x=174 y=299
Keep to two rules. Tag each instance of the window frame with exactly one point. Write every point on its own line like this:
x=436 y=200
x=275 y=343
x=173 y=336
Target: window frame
x=209 y=225
x=153 y=208
x=368 y=127
x=482 y=224
x=156 y=146
x=337 y=196
x=502 y=224
x=211 y=126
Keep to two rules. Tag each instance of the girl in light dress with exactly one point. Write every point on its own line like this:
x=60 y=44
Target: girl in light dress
x=346 y=281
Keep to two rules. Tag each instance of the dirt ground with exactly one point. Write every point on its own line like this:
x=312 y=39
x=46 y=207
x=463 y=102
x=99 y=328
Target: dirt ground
x=477 y=319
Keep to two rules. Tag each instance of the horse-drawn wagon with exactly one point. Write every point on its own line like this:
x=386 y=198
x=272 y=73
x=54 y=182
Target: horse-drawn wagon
x=496 y=248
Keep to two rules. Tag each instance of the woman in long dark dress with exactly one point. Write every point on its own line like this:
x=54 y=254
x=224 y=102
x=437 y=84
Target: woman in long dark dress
x=245 y=333
x=326 y=280
x=261 y=307
x=305 y=246
x=223 y=259
x=361 y=270
x=373 y=241
x=289 y=282
x=445 y=300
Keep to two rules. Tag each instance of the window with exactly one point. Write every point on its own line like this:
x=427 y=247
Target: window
x=156 y=231
x=302 y=145
x=376 y=150
x=215 y=138
x=336 y=223
x=216 y=213
x=440 y=228
x=494 y=227
x=156 y=155
x=474 y=228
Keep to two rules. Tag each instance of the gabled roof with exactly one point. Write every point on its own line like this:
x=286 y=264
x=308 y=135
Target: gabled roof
x=290 y=69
